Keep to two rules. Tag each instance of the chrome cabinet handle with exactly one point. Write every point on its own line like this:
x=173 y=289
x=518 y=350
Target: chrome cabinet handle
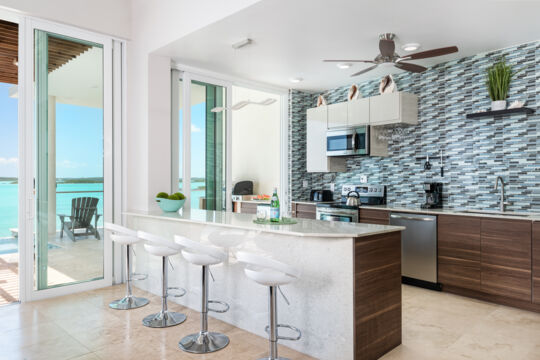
x=354 y=140
x=411 y=218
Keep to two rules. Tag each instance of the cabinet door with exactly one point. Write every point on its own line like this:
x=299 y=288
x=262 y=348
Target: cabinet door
x=306 y=211
x=536 y=261
x=358 y=112
x=506 y=258
x=458 y=247
x=384 y=109
x=316 y=159
x=337 y=115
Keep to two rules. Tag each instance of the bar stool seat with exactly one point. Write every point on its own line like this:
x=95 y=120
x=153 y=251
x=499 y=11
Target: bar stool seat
x=159 y=246
x=126 y=237
x=204 y=341
x=271 y=273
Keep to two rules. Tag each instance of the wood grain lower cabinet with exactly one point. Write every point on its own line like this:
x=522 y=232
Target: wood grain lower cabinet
x=458 y=250
x=536 y=262
x=374 y=216
x=303 y=210
x=506 y=258
x=248 y=208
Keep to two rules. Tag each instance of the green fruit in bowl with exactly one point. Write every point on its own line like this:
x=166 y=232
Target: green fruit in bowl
x=162 y=195
x=170 y=203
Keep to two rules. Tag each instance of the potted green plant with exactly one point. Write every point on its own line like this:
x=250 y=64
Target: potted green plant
x=172 y=202
x=499 y=76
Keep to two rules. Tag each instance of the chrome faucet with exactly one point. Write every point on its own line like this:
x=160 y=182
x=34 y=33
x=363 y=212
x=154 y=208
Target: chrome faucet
x=502 y=191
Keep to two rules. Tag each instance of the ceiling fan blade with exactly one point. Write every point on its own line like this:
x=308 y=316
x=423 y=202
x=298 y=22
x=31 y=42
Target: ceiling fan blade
x=217 y=109
x=240 y=105
x=431 y=53
x=348 y=61
x=387 y=47
x=365 y=70
x=410 y=67
x=267 y=101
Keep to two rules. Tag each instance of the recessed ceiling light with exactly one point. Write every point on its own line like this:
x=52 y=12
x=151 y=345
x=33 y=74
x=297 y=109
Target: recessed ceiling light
x=344 y=65
x=411 y=46
x=296 y=80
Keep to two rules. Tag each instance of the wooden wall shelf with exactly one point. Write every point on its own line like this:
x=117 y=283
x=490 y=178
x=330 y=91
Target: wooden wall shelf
x=524 y=110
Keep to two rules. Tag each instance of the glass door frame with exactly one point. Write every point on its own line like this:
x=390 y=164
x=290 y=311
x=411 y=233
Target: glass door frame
x=187 y=78
x=27 y=157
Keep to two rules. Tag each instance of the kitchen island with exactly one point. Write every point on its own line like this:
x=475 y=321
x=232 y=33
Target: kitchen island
x=347 y=301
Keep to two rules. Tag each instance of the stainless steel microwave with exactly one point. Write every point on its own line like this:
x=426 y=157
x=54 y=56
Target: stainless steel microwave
x=347 y=141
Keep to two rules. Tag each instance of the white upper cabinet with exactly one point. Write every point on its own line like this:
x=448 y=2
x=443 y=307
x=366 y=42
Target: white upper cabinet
x=358 y=112
x=393 y=108
x=337 y=115
x=316 y=159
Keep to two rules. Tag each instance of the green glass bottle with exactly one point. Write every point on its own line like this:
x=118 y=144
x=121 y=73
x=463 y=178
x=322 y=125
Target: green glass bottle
x=274 y=207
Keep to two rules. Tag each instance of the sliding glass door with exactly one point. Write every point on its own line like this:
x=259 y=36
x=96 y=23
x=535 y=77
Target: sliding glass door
x=202 y=175
x=73 y=165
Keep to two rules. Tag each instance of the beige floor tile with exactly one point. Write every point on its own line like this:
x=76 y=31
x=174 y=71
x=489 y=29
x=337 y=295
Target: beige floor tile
x=57 y=349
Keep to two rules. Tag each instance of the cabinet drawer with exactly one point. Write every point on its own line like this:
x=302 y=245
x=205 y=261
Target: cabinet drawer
x=459 y=237
x=506 y=243
x=310 y=208
x=306 y=215
x=248 y=208
x=458 y=272
x=371 y=216
x=506 y=281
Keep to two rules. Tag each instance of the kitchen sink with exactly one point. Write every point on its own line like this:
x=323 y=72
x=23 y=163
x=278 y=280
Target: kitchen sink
x=494 y=212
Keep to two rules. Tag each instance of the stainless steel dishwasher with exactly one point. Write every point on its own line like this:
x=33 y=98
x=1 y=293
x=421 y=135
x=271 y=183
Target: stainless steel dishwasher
x=418 y=249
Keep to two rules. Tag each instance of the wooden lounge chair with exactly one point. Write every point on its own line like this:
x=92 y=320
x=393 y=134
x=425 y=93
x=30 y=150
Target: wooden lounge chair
x=83 y=209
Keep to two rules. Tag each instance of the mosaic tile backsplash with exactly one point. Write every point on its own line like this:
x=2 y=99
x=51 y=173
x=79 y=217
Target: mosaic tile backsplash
x=475 y=150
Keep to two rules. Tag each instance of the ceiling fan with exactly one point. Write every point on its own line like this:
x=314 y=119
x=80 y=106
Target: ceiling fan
x=388 y=56
x=241 y=104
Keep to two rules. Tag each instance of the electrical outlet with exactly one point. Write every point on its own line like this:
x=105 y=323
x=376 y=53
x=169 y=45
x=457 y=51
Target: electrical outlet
x=332 y=187
x=363 y=179
x=305 y=183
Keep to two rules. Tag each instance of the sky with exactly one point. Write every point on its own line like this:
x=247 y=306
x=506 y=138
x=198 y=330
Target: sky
x=198 y=140
x=79 y=139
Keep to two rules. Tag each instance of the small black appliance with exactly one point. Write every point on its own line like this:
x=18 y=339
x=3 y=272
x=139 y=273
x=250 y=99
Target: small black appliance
x=243 y=188
x=321 y=195
x=433 y=192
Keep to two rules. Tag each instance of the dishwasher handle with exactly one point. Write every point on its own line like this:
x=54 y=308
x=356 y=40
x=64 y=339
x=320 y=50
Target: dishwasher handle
x=394 y=216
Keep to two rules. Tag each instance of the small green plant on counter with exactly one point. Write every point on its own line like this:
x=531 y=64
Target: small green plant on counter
x=175 y=196
x=499 y=76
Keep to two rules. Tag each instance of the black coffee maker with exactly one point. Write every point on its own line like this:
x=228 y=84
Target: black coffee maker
x=433 y=192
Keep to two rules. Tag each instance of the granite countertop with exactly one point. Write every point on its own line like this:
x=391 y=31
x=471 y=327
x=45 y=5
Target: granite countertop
x=303 y=228
x=530 y=216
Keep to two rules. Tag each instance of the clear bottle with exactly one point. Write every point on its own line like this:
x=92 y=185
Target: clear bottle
x=274 y=207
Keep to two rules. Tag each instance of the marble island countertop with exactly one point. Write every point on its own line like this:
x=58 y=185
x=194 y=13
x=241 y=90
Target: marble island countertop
x=304 y=227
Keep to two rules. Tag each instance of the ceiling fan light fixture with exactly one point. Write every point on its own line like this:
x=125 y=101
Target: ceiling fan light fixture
x=344 y=66
x=296 y=80
x=410 y=47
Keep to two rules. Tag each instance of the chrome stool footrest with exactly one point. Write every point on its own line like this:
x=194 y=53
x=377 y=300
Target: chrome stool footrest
x=290 y=327
x=222 y=303
x=138 y=277
x=181 y=291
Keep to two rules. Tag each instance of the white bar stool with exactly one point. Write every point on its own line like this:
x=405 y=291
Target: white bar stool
x=271 y=273
x=158 y=246
x=127 y=237
x=204 y=341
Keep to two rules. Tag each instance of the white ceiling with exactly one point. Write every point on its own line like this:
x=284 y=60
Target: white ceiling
x=290 y=38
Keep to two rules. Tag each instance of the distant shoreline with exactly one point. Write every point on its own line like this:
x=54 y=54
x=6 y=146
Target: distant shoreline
x=89 y=180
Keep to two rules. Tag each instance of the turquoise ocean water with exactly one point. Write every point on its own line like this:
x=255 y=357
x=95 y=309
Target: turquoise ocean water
x=9 y=203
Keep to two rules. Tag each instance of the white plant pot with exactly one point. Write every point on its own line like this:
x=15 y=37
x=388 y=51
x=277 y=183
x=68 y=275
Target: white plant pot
x=498 y=105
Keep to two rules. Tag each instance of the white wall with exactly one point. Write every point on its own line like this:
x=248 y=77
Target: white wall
x=154 y=25
x=256 y=141
x=105 y=16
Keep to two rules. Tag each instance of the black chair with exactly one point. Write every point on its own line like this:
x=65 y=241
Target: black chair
x=83 y=209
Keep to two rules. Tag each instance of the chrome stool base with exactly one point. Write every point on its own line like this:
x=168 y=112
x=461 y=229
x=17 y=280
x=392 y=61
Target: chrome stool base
x=203 y=342
x=129 y=302
x=278 y=358
x=164 y=319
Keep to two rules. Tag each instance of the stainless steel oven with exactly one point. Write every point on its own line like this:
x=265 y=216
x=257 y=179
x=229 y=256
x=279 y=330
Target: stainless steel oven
x=347 y=141
x=337 y=212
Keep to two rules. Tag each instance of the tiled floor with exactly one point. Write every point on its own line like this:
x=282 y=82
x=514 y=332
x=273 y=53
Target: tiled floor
x=69 y=261
x=436 y=326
